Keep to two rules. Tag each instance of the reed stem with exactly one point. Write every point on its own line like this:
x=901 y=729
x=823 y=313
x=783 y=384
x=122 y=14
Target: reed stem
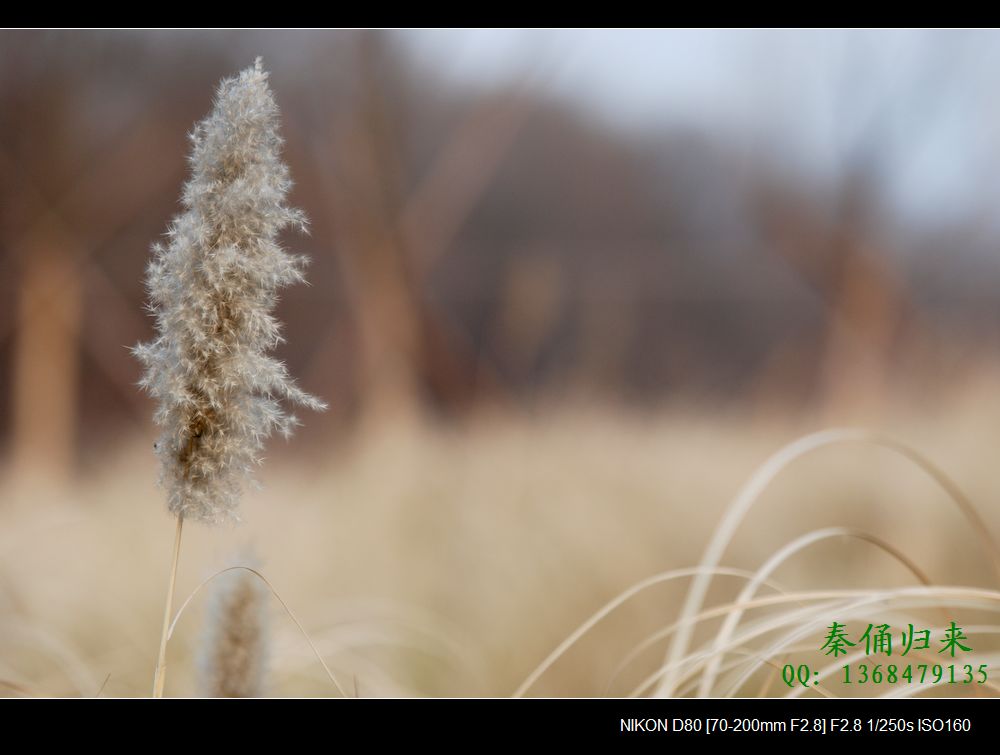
x=159 y=679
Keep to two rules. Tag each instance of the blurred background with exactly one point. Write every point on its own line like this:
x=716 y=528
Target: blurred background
x=567 y=290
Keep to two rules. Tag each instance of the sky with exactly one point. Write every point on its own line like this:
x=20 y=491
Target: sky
x=923 y=103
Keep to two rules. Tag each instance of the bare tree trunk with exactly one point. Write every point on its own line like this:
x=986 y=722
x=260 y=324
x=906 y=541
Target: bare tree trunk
x=386 y=305
x=46 y=362
x=860 y=335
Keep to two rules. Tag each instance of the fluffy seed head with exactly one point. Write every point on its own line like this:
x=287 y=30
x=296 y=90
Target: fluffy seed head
x=233 y=654
x=212 y=289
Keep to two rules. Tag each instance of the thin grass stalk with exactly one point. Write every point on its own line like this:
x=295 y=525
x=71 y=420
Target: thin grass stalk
x=160 y=677
x=755 y=487
x=910 y=597
x=797 y=545
x=609 y=607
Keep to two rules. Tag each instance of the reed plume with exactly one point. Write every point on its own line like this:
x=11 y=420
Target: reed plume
x=233 y=656
x=212 y=289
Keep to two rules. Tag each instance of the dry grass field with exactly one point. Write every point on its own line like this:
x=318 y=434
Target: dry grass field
x=449 y=562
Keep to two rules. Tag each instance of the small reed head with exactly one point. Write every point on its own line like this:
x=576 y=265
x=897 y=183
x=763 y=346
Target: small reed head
x=233 y=653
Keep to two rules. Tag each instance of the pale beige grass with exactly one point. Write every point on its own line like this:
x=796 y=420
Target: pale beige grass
x=432 y=562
